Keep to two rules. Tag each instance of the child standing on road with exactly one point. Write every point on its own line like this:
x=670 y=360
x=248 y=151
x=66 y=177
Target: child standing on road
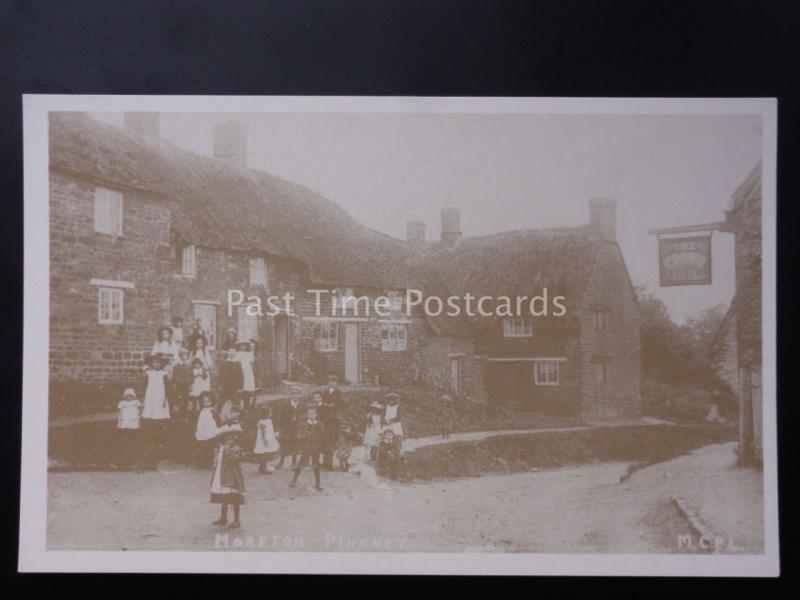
x=201 y=383
x=389 y=456
x=205 y=431
x=227 y=483
x=392 y=418
x=311 y=441
x=128 y=423
x=267 y=445
x=374 y=431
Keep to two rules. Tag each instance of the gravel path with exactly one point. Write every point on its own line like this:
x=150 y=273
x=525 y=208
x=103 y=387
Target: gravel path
x=579 y=509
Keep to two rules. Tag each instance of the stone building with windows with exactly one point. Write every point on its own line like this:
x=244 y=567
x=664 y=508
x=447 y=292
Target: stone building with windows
x=142 y=232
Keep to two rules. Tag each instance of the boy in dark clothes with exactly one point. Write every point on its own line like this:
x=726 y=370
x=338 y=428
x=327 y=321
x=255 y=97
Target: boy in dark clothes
x=288 y=420
x=332 y=403
x=389 y=459
x=310 y=442
x=182 y=379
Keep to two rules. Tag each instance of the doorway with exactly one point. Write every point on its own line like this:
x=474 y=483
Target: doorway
x=352 y=362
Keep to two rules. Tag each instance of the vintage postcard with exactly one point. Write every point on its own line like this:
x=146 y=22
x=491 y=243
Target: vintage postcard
x=399 y=335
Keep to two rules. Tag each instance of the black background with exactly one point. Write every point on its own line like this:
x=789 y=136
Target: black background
x=381 y=47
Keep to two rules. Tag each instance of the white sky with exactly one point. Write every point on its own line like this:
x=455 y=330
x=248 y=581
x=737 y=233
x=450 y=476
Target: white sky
x=512 y=172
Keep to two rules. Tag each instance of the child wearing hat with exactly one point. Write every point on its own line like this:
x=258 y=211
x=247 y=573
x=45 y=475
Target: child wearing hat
x=128 y=422
x=227 y=482
x=267 y=446
x=311 y=440
x=388 y=458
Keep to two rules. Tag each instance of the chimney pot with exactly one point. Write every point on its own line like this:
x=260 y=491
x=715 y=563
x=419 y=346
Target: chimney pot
x=230 y=143
x=145 y=124
x=415 y=231
x=451 y=226
x=603 y=217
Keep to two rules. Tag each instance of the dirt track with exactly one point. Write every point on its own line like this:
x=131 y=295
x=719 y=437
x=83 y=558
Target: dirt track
x=577 y=509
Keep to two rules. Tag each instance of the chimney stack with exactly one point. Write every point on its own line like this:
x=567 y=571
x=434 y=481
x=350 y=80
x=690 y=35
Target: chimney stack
x=145 y=124
x=415 y=231
x=230 y=143
x=603 y=217
x=451 y=226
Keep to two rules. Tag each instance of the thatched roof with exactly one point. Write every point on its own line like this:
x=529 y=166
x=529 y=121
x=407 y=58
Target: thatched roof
x=514 y=264
x=219 y=205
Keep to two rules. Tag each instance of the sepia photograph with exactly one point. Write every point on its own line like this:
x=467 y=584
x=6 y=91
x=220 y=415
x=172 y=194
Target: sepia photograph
x=399 y=335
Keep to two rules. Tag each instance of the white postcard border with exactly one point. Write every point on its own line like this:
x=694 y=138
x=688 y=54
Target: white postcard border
x=33 y=553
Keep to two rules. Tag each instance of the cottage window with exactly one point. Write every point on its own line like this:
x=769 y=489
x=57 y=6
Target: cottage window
x=189 y=261
x=395 y=300
x=110 y=305
x=207 y=313
x=107 y=211
x=546 y=373
x=247 y=324
x=394 y=337
x=601 y=371
x=517 y=328
x=600 y=320
x=326 y=336
x=258 y=272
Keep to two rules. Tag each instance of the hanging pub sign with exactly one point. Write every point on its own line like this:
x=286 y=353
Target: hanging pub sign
x=685 y=260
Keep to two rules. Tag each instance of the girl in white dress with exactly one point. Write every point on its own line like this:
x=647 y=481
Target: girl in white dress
x=267 y=445
x=200 y=351
x=201 y=383
x=245 y=357
x=155 y=396
x=155 y=414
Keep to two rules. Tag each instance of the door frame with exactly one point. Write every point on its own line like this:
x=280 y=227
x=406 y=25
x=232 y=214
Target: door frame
x=350 y=326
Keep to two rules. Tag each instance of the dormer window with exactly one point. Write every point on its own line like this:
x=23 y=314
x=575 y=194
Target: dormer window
x=258 y=272
x=517 y=328
x=395 y=300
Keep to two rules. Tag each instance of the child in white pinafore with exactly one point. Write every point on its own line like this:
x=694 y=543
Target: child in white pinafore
x=201 y=383
x=128 y=423
x=205 y=431
x=244 y=355
x=156 y=409
x=267 y=445
x=155 y=396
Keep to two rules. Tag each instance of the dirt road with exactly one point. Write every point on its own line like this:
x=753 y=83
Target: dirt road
x=578 y=509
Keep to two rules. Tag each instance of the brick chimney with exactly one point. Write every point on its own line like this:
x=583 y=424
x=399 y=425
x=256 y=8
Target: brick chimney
x=415 y=231
x=603 y=217
x=230 y=143
x=145 y=124
x=451 y=226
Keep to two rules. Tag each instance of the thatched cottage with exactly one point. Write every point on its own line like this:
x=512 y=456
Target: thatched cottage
x=142 y=231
